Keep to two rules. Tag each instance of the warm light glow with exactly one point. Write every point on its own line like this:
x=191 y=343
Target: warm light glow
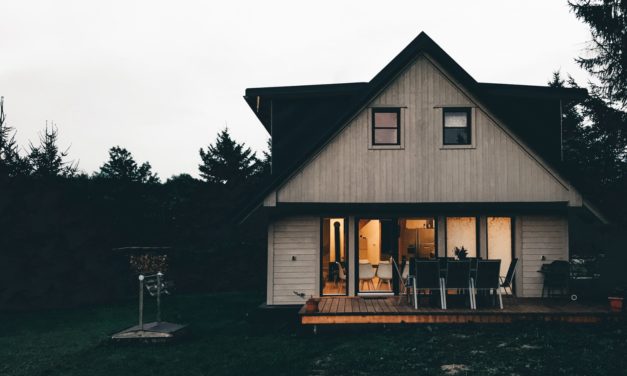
x=461 y=231
x=500 y=241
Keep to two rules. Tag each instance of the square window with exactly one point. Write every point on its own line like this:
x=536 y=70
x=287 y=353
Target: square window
x=457 y=126
x=386 y=124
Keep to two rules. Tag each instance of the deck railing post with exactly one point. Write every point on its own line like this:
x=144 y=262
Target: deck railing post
x=159 y=275
x=141 y=302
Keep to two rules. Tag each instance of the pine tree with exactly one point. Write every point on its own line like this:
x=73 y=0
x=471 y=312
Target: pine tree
x=46 y=160
x=227 y=163
x=265 y=164
x=121 y=166
x=595 y=147
x=608 y=25
x=11 y=163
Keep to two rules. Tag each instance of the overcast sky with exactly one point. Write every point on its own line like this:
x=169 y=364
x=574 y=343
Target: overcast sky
x=161 y=78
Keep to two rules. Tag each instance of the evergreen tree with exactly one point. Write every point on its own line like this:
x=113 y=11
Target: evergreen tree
x=608 y=25
x=46 y=160
x=595 y=147
x=265 y=164
x=121 y=166
x=227 y=163
x=11 y=163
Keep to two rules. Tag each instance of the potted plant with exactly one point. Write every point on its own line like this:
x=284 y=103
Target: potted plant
x=461 y=252
x=311 y=306
x=616 y=300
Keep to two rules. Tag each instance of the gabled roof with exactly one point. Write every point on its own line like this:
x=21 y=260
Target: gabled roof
x=356 y=96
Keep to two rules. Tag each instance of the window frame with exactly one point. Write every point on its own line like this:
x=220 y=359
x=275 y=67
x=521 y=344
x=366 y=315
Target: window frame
x=468 y=126
x=373 y=127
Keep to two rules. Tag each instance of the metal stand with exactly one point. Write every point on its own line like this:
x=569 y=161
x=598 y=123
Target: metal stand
x=157 y=330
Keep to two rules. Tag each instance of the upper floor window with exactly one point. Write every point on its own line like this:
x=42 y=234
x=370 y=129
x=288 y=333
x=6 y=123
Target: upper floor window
x=386 y=126
x=457 y=126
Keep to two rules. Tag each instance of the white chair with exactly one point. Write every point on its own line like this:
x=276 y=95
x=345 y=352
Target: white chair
x=341 y=275
x=384 y=273
x=366 y=274
x=405 y=275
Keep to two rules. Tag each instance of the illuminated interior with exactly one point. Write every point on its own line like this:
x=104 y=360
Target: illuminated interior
x=375 y=250
x=334 y=259
x=461 y=232
x=417 y=238
x=500 y=241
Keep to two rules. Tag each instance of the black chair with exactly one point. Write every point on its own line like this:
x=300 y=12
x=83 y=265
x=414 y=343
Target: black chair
x=443 y=262
x=458 y=278
x=487 y=279
x=427 y=277
x=556 y=277
x=508 y=280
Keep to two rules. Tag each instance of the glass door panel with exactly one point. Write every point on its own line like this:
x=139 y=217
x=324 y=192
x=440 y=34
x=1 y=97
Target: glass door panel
x=334 y=259
x=377 y=243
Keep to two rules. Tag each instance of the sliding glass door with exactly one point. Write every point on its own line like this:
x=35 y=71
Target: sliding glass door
x=334 y=268
x=376 y=238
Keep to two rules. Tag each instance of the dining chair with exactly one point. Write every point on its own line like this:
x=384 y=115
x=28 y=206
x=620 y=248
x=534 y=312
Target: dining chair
x=458 y=278
x=487 y=279
x=384 y=273
x=341 y=274
x=366 y=274
x=428 y=278
x=508 y=280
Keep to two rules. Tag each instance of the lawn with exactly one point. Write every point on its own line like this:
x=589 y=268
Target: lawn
x=228 y=336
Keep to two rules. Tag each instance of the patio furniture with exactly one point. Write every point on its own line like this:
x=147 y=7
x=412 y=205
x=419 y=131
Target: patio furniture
x=428 y=277
x=508 y=280
x=458 y=278
x=487 y=279
x=384 y=273
x=366 y=274
x=556 y=276
x=341 y=276
x=443 y=261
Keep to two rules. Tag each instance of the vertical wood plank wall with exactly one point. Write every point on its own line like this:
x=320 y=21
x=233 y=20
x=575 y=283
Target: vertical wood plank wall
x=541 y=236
x=496 y=169
x=297 y=237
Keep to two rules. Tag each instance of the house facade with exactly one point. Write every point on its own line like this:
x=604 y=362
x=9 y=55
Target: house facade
x=419 y=162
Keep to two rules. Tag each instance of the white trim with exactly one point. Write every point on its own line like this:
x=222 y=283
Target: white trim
x=270 y=271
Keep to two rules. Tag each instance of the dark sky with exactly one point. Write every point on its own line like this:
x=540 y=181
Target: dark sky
x=161 y=78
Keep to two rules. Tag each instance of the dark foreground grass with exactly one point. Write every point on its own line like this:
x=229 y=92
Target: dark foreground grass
x=228 y=336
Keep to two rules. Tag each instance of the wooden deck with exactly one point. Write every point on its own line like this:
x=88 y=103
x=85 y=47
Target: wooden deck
x=395 y=310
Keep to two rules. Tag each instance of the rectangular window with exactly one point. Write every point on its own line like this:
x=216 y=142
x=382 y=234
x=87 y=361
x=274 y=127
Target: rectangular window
x=500 y=241
x=461 y=232
x=457 y=126
x=386 y=126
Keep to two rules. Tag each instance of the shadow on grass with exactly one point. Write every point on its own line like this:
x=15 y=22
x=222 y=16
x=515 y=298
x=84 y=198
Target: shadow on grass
x=228 y=335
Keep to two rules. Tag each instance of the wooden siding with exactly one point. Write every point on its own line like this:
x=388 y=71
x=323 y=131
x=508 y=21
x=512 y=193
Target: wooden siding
x=495 y=169
x=541 y=236
x=297 y=237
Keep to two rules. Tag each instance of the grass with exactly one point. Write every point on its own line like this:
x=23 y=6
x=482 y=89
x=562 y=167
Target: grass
x=228 y=336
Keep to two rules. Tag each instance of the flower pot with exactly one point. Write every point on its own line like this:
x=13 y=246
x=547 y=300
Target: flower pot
x=311 y=306
x=616 y=303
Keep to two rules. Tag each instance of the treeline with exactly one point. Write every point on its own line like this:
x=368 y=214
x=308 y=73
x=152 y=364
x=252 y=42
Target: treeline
x=59 y=226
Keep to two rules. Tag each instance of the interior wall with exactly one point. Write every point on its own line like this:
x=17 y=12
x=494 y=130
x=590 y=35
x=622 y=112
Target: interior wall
x=461 y=231
x=371 y=232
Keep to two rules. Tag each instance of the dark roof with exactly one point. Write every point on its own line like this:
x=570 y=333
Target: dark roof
x=301 y=119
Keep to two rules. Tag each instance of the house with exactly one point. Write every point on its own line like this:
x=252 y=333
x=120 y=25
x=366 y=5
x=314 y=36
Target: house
x=417 y=162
